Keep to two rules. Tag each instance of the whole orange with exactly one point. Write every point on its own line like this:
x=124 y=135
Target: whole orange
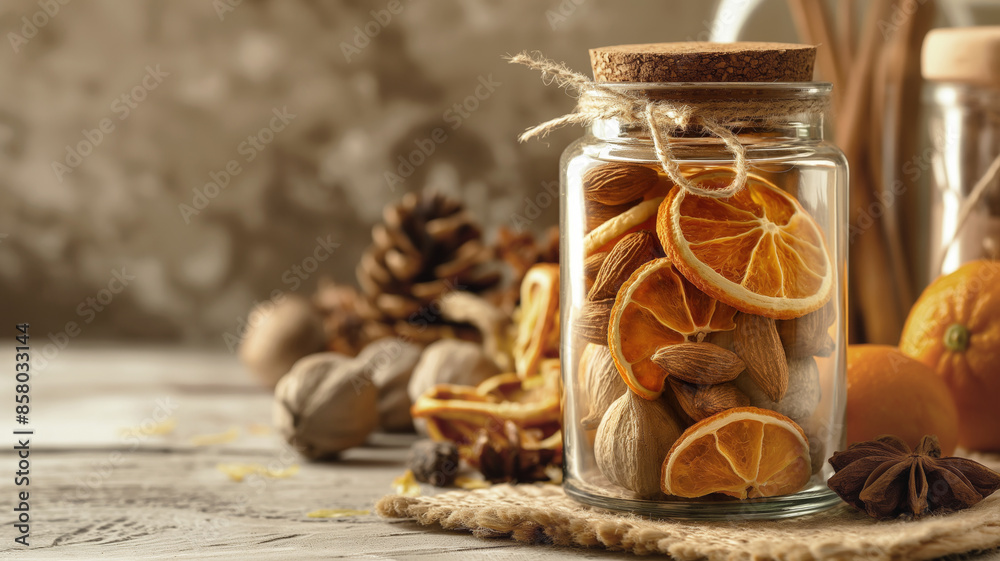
x=891 y=393
x=955 y=329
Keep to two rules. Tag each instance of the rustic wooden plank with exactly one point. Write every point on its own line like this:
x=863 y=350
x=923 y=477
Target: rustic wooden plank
x=96 y=495
x=178 y=505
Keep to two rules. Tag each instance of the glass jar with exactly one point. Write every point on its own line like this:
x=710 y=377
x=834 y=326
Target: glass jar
x=671 y=363
x=963 y=122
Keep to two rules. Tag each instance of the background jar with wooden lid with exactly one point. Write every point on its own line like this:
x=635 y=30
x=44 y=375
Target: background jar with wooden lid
x=704 y=338
x=962 y=67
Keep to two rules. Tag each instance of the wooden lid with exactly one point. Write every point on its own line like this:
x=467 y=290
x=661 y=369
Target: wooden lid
x=970 y=55
x=704 y=62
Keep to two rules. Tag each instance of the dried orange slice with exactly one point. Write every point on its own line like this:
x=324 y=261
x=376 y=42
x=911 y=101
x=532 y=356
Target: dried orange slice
x=746 y=452
x=656 y=307
x=538 y=319
x=758 y=251
x=640 y=217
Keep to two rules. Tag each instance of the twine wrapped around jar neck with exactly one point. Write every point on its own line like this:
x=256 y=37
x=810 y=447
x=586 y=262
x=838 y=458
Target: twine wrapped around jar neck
x=663 y=119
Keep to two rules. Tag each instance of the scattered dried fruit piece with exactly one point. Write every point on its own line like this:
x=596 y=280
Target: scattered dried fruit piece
x=757 y=343
x=538 y=324
x=657 y=307
x=218 y=438
x=699 y=363
x=406 y=485
x=470 y=483
x=745 y=453
x=640 y=217
x=632 y=441
x=758 y=251
x=618 y=183
x=458 y=413
x=337 y=513
x=154 y=429
x=885 y=479
x=257 y=429
x=237 y=472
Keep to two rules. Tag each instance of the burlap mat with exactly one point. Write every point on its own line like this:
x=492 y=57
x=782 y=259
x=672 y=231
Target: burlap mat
x=544 y=514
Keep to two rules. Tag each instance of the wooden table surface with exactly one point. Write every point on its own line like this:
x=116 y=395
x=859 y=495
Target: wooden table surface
x=98 y=492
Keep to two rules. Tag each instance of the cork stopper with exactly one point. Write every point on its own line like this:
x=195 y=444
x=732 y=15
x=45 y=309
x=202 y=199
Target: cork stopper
x=968 y=55
x=704 y=62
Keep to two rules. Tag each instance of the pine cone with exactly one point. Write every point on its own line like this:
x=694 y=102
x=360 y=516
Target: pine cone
x=427 y=246
x=344 y=319
x=521 y=252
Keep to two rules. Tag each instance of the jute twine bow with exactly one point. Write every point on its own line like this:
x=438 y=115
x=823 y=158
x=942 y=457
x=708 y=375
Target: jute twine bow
x=662 y=119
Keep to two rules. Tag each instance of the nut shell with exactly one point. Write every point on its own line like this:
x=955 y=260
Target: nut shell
x=633 y=440
x=389 y=364
x=450 y=361
x=325 y=405
x=279 y=333
x=600 y=383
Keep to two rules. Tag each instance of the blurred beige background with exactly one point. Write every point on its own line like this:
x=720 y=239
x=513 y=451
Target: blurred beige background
x=114 y=114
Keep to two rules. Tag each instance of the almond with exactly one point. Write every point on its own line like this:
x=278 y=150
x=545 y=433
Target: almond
x=699 y=363
x=618 y=183
x=808 y=335
x=624 y=258
x=599 y=213
x=758 y=344
x=592 y=321
x=703 y=401
x=600 y=383
x=591 y=266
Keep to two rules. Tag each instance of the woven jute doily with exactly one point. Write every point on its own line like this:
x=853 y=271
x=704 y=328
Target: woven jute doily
x=544 y=514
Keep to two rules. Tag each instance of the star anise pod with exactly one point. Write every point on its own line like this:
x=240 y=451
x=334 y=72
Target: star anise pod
x=884 y=478
x=513 y=454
